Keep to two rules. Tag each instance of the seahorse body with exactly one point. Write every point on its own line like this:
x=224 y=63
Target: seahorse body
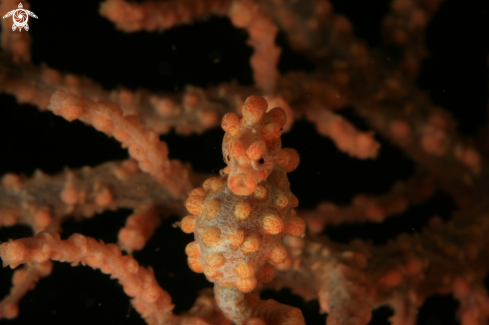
x=240 y=218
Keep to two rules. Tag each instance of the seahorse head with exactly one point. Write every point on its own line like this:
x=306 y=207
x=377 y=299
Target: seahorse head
x=252 y=146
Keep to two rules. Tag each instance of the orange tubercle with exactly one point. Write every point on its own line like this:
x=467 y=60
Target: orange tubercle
x=253 y=109
x=261 y=192
x=211 y=235
x=212 y=209
x=294 y=159
x=281 y=201
x=230 y=123
x=188 y=224
x=295 y=227
x=102 y=123
x=242 y=210
x=216 y=184
x=209 y=118
x=214 y=259
x=71 y=112
x=283 y=158
x=271 y=131
x=211 y=272
x=285 y=265
x=195 y=204
x=42 y=218
x=278 y=254
x=197 y=191
x=194 y=264
x=246 y=285
x=207 y=184
x=192 y=249
x=278 y=115
x=272 y=224
x=70 y=195
x=236 y=238
x=213 y=184
x=244 y=270
x=256 y=149
x=250 y=244
x=236 y=148
x=104 y=198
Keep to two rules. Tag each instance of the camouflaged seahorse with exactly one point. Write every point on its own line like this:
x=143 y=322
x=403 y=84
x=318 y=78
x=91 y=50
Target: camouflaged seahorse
x=240 y=218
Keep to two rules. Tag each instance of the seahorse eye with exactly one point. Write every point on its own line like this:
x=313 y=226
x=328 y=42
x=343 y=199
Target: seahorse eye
x=229 y=159
x=261 y=161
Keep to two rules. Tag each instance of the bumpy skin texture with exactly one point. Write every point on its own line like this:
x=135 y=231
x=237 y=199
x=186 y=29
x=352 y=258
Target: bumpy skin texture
x=240 y=218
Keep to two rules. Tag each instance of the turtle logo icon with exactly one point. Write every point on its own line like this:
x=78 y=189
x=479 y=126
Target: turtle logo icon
x=21 y=16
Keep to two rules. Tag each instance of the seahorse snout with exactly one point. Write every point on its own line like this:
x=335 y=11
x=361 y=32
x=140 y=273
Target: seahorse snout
x=241 y=184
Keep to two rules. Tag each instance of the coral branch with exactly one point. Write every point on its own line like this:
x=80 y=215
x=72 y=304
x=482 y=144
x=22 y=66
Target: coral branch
x=158 y=16
x=272 y=313
x=138 y=229
x=404 y=29
x=194 y=110
x=245 y=14
x=351 y=280
x=347 y=138
x=365 y=208
x=392 y=105
x=152 y=302
x=39 y=201
x=23 y=280
x=143 y=145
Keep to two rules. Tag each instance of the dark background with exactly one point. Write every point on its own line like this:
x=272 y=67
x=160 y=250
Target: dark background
x=72 y=37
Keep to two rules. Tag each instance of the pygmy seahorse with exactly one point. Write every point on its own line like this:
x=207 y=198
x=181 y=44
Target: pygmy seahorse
x=240 y=218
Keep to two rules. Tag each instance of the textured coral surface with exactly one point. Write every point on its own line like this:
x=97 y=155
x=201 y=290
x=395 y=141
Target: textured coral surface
x=72 y=37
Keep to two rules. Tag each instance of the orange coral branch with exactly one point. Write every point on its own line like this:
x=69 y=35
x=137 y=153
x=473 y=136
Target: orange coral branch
x=143 y=145
x=152 y=302
x=23 y=280
x=370 y=208
x=351 y=280
x=262 y=31
x=37 y=202
x=194 y=110
x=139 y=228
x=347 y=138
x=159 y=16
